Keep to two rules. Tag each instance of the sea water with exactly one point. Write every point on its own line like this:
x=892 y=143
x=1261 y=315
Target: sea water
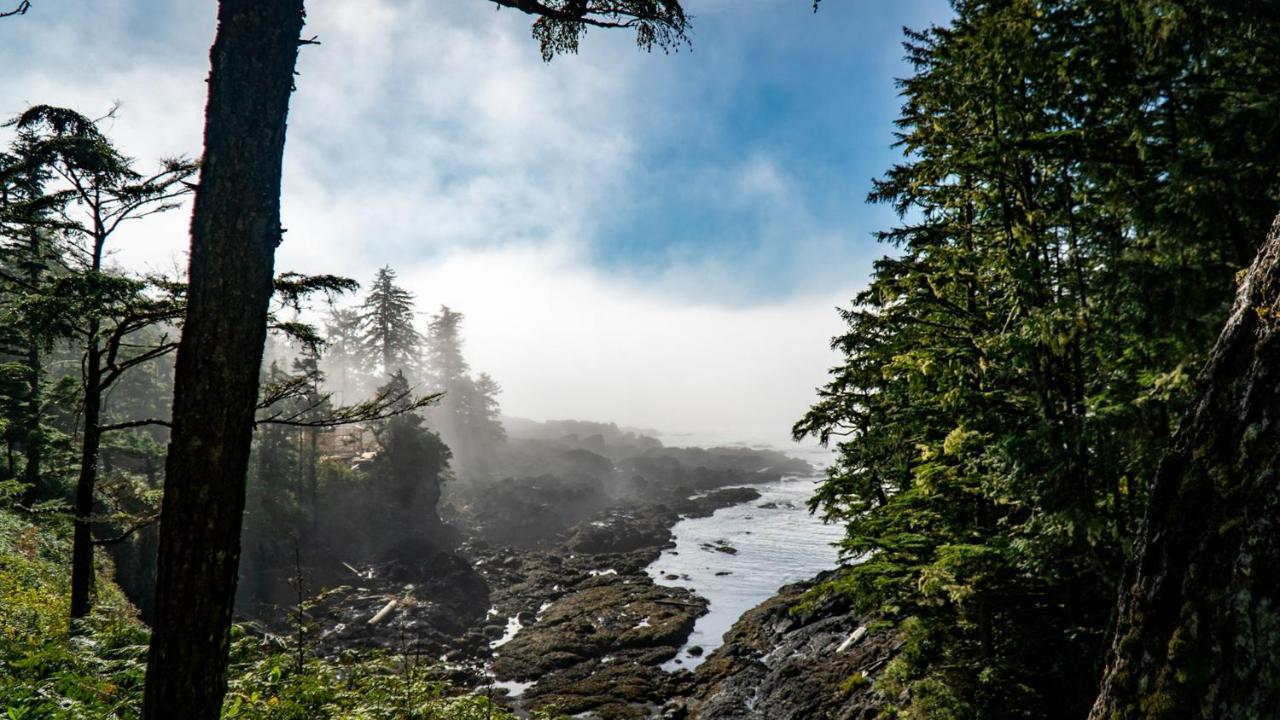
x=775 y=545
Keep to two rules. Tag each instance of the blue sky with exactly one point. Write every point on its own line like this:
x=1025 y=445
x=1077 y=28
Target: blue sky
x=656 y=239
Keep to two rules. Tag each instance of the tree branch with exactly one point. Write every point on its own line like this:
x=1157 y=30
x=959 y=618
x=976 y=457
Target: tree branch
x=23 y=7
x=135 y=527
x=133 y=424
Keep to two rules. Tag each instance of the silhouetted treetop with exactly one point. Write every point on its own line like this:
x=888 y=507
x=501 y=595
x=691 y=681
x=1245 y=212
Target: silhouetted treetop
x=562 y=23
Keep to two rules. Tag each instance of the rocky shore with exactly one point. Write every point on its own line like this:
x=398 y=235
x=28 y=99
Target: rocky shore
x=546 y=602
x=577 y=624
x=793 y=657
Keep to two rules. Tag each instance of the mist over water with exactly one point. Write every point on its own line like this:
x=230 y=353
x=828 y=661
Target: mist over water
x=775 y=545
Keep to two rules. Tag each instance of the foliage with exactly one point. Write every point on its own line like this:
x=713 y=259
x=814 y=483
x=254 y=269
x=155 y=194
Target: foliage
x=46 y=673
x=468 y=416
x=386 y=325
x=271 y=687
x=1082 y=181
x=562 y=23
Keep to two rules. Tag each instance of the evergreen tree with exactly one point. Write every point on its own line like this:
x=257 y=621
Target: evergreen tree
x=406 y=477
x=446 y=366
x=104 y=310
x=28 y=254
x=1011 y=376
x=386 y=325
x=344 y=362
x=468 y=415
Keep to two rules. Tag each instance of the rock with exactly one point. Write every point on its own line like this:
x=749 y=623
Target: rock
x=598 y=648
x=622 y=531
x=721 y=546
x=780 y=665
x=706 y=504
x=427 y=605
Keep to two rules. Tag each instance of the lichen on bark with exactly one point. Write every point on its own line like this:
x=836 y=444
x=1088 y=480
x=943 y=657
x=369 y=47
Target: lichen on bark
x=1198 y=632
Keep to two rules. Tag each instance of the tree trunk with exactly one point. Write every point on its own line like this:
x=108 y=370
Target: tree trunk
x=235 y=229
x=1198 y=633
x=82 y=538
x=35 y=374
x=34 y=441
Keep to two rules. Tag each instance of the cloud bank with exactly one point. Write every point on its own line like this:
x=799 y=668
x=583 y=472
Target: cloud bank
x=656 y=240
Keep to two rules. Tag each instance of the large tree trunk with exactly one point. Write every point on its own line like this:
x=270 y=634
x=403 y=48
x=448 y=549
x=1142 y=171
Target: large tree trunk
x=1198 y=634
x=35 y=376
x=235 y=229
x=82 y=538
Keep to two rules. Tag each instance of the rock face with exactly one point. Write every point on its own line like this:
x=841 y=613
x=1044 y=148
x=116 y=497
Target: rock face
x=1198 y=629
x=598 y=647
x=784 y=662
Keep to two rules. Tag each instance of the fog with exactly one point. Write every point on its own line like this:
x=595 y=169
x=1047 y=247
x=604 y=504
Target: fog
x=567 y=343
x=691 y=295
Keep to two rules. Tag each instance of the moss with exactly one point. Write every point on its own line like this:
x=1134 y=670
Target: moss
x=854 y=682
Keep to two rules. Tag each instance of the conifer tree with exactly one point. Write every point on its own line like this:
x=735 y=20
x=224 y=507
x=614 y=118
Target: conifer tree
x=344 y=363
x=28 y=254
x=468 y=415
x=386 y=325
x=1013 y=372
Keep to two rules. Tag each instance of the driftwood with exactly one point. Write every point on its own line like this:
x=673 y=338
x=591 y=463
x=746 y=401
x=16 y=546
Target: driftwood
x=853 y=638
x=384 y=612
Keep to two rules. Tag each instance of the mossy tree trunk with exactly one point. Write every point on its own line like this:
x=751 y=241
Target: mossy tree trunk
x=1198 y=633
x=235 y=229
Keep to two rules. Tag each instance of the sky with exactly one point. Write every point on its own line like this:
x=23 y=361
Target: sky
x=654 y=239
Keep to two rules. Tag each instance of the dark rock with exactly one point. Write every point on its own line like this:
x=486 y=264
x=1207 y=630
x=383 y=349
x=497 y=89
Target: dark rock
x=780 y=664
x=531 y=512
x=621 y=531
x=706 y=504
x=721 y=546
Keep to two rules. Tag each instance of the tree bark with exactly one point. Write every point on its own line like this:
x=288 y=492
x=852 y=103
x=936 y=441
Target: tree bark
x=1198 y=633
x=235 y=229
x=35 y=375
x=82 y=536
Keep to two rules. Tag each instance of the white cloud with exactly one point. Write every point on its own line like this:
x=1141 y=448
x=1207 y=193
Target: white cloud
x=429 y=136
x=567 y=342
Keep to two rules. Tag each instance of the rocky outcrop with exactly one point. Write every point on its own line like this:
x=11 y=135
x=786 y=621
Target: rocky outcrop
x=1198 y=629
x=598 y=647
x=791 y=658
x=549 y=594
x=427 y=606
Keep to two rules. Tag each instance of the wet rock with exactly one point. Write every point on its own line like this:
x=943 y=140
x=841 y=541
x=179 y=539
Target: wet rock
x=607 y=615
x=598 y=647
x=706 y=504
x=780 y=664
x=720 y=546
x=621 y=531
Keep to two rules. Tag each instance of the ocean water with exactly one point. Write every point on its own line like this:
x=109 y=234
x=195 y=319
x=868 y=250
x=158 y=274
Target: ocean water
x=774 y=546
